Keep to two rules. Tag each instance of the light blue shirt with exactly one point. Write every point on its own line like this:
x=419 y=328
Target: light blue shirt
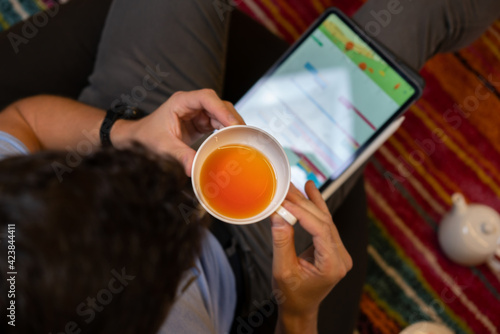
x=10 y=145
x=207 y=304
x=206 y=296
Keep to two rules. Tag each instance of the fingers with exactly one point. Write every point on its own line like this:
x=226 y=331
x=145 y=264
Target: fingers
x=314 y=216
x=183 y=118
x=181 y=152
x=284 y=255
x=315 y=196
x=189 y=104
x=315 y=204
x=310 y=217
x=202 y=123
x=187 y=158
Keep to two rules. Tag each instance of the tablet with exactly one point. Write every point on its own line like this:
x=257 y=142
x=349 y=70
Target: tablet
x=330 y=99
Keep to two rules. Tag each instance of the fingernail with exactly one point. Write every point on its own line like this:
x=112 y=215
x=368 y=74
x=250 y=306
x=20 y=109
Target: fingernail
x=231 y=119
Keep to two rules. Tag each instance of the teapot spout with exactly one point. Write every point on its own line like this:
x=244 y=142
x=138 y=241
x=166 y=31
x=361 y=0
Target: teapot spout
x=459 y=203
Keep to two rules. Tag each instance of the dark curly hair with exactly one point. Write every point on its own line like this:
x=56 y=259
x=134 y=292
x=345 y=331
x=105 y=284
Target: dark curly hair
x=102 y=251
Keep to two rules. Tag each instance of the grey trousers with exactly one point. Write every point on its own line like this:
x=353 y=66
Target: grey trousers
x=416 y=30
x=151 y=49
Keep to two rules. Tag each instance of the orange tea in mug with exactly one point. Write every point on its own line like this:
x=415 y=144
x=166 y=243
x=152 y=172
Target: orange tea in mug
x=237 y=181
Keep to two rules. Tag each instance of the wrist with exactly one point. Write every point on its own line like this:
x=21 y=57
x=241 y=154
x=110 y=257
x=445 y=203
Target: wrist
x=116 y=127
x=121 y=134
x=297 y=323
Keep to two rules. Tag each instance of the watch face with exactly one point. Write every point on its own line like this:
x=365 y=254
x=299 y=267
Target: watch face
x=132 y=113
x=128 y=112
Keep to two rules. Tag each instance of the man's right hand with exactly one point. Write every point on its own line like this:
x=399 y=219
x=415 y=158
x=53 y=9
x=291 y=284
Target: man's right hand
x=304 y=281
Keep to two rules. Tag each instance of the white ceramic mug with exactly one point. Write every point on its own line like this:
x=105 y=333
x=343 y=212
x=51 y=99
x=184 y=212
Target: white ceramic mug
x=426 y=327
x=265 y=144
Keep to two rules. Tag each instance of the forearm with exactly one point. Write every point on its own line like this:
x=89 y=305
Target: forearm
x=51 y=122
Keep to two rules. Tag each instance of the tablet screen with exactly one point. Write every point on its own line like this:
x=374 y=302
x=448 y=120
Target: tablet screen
x=326 y=100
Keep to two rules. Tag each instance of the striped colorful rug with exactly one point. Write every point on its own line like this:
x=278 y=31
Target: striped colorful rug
x=411 y=178
x=13 y=11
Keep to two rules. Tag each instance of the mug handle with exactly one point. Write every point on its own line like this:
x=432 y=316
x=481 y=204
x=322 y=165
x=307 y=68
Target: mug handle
x=286 y=215
x=494 y=261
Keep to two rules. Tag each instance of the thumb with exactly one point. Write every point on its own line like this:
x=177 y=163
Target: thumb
x=185 y=155
x=284 y=255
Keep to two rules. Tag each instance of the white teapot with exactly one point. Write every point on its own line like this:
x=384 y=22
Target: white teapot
x=470 y=234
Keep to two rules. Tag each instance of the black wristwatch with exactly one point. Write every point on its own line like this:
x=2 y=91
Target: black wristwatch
x=120 y=111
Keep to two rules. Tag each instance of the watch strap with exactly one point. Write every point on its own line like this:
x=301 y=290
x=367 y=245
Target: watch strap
x=119 y=111
x=107 y=124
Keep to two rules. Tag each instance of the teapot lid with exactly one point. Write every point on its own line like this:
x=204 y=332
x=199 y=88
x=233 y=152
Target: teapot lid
x=482 y=224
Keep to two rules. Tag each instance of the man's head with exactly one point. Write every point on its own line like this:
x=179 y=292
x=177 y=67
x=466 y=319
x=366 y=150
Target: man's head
x=102 y=251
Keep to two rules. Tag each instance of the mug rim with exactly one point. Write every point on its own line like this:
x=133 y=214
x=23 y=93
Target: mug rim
x=270 y=209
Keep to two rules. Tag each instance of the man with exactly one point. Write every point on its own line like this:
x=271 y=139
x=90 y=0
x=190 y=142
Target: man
x=181 y=44
x=46 y=122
